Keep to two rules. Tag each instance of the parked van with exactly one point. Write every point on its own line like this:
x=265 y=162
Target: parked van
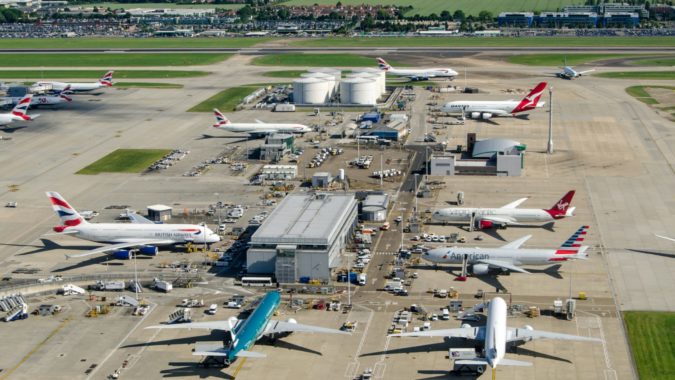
x=212 y=309
x=446 y=315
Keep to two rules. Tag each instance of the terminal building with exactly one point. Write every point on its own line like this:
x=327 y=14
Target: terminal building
x=568 y=19
x=515 y=19
x=304 y=237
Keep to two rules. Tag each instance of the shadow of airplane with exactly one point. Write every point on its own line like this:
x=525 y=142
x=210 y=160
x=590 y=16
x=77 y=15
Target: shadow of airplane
x=192 y=369
x=12 y=129
x=214 y=336
x=92 y=261
x=654 y=253
x=48 y=245
x=206 y=137
x=535 y=354
x=278 y=343
x=445 y=375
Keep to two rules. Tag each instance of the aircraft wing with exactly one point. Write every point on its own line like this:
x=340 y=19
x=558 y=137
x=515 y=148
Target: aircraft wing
x=217 y=349
x=210 y=325
x=526 y=335
x=584 y=72
x=503 y=264
x=259 y=121
x=664 y=237
x=492 y=111
x=115 y=247
x=262 y=131
x=139 y=219
x=274 y=327
x=515 y=204
x=462 y=332
x=517 y=243
x=498 y=219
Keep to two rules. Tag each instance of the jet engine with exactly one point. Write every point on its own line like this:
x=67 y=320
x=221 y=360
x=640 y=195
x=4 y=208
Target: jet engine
x=480 y=269
x=466 y=326
x=486 y=115
x=123 y=254
x=149 y=250
x=483 y=224
x=291 y=320
x=475 y=115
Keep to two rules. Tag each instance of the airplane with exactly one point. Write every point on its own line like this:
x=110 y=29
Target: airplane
x=18 y=112
x=416 y=74
x=664 y=237
x=47 y=99
x=258 y=128
x=105 y=81
x=241 y=335
x=496 y=335
x=125 y=237
x=486 y=109
x=569 y=73
x=509 y=257
x=506 y=215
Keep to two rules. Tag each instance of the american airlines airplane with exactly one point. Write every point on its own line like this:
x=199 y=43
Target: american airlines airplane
x=125 y=236
x=105 y=81
x=509 y=257
x=241 y=335
x=19 y=112
x=495 y=335
x=416 y=74
x=258 y=128
x=486 y=109
x=506 y=215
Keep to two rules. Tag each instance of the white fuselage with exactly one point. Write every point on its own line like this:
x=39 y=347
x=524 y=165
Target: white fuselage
x=42 y=100
x=75 y=87
x=520 y=256
x=497 y=107
x=264 y=128
x=517 y=215
x=8 y=118
x=424 y=73
x=130 y=233
x=495 y=332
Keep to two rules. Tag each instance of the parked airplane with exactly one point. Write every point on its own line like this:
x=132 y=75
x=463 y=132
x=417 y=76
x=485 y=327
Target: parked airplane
x=126 y=236
x=18 y=112
x=47 y=99
x=241 y=335
x=258 y=128
x=486 y=109
x=506 y=215
x=509 y=257
x=416 y=74
x=495 y=335
x=105 y=81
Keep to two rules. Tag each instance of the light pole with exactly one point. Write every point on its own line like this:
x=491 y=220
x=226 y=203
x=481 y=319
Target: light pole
x=549 y=147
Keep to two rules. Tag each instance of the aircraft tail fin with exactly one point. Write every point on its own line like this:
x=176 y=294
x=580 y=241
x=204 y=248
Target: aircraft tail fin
x=220 y=119
x=68 y=215
x=562 y=207
x=530 y=101
x=63 y=94
x=20 y=110
x=383 y=65
x=107 y=79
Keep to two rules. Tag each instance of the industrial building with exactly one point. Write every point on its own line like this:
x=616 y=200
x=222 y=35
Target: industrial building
x=159 y=213
x=276 y=146
x=321 y=86
x=374 y=207
x=321 y=180
x=501 y=157
x=278 y=172
x=303 y=237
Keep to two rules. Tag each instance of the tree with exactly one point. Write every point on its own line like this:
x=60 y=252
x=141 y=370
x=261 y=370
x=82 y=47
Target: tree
x=445 y=15
x=458 y=15
x=485 y=16
x=338 y=4
x=245 y=12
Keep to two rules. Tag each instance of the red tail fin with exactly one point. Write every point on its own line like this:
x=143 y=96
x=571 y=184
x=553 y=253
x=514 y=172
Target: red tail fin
x=530 y=101
x=563 y=204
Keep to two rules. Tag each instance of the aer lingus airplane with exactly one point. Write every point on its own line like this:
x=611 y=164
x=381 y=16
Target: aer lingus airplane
x=242 y=334
x=496 y=335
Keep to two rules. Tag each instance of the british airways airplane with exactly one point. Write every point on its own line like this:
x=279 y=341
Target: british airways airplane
x=242 y=334
x=105 y=81
x=258 y=128
x=19 y=112
x=416 y=74
x=143 y=236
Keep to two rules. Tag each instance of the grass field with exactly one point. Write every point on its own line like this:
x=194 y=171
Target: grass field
x=106 y=5
x=125 y=161
x=652 y=342
x=96 y=74
x=599 y=42
x=661 y=61
x=225 y=100
x=147 y=85
x=325 y=60
x=640 y=93
x=656 y=75
x=110 y=60
x=128 y=43
x=470 y=7
x=559 y=59
x=291 y=73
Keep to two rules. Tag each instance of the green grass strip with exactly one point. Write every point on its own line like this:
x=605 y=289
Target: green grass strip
x=109 y=60
x=147 y=85
x=129 y=43
x=96 y=74
x=226 y=100
x=652 y=342
x=656 y=75
x=125 y=161
x=322 y=60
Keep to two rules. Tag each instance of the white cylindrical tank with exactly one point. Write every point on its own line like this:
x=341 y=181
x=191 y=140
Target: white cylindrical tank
x=359 y=91
x=337 y=74
x=371 y=76
x=381 y=74
x=310 y=91
x=329 y=79
x=341 y=175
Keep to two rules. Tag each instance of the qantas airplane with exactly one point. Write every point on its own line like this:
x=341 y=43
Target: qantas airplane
x=486 y=109
x=105 y=81
x=125 y=236
x=48 y=99
x=506 y=215
x=495 y=335
x=242 y=334
x=18 y=112
x=510 y=257
x=258 y=128
x=416 y=74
